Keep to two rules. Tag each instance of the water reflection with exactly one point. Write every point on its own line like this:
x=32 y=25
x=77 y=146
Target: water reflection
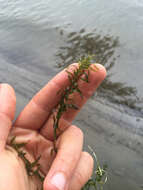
x=82 y=43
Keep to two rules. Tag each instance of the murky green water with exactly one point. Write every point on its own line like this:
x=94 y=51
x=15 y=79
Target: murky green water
x=38 y=38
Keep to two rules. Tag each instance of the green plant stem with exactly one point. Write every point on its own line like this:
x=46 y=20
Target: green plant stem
x=81 y=72
x=32 y=168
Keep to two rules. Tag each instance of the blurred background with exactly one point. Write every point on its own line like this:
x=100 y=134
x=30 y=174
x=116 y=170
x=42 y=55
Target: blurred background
x=39 y=38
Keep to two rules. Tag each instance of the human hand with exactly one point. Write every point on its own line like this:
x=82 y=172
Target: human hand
x=70 y=168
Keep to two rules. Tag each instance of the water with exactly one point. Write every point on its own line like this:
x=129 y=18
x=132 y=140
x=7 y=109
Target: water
x=38 y=38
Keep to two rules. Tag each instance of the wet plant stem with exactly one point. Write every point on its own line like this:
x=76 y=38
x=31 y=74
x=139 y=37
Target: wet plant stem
x=80 y=72
x=32 y=168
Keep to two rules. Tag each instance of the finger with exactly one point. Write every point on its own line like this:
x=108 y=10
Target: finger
x=87 y=89
x=83 y=172
x=41 y=105
x=7 y=111
x=68 y=155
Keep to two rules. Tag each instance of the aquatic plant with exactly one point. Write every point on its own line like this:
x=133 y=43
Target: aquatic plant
x=80 y=72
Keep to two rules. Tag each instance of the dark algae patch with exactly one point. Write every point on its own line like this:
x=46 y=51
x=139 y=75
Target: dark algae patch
x=104 y=48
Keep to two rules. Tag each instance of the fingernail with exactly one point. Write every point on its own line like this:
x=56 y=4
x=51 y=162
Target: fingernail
x=96 y=66
x=59 y=181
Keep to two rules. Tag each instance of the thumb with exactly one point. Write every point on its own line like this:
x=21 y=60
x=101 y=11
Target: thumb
x=7 y=111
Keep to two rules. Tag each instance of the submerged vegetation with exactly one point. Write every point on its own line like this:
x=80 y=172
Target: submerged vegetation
x=104 y=47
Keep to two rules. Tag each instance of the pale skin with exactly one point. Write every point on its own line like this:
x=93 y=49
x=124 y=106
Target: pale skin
x=70 y=168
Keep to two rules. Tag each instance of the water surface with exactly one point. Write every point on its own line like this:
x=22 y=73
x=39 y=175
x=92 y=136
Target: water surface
x=39 y=38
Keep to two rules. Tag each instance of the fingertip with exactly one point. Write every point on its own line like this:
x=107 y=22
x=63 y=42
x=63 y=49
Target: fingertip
x=7 y=100
x=76 y=131
x=56 y=182
x=90 y=161
x=96 y=76
x=8 y=89
x=101 y=70
x=83 y=171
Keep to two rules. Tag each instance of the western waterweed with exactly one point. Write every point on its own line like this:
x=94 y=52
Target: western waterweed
x=80 y=72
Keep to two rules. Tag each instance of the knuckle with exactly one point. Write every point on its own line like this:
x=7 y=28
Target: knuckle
x=5 y=118
x=79 y=178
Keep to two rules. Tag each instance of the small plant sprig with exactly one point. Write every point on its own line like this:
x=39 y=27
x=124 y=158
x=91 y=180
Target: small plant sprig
x=97 y=182
x=80 y=72
x=32 y=168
